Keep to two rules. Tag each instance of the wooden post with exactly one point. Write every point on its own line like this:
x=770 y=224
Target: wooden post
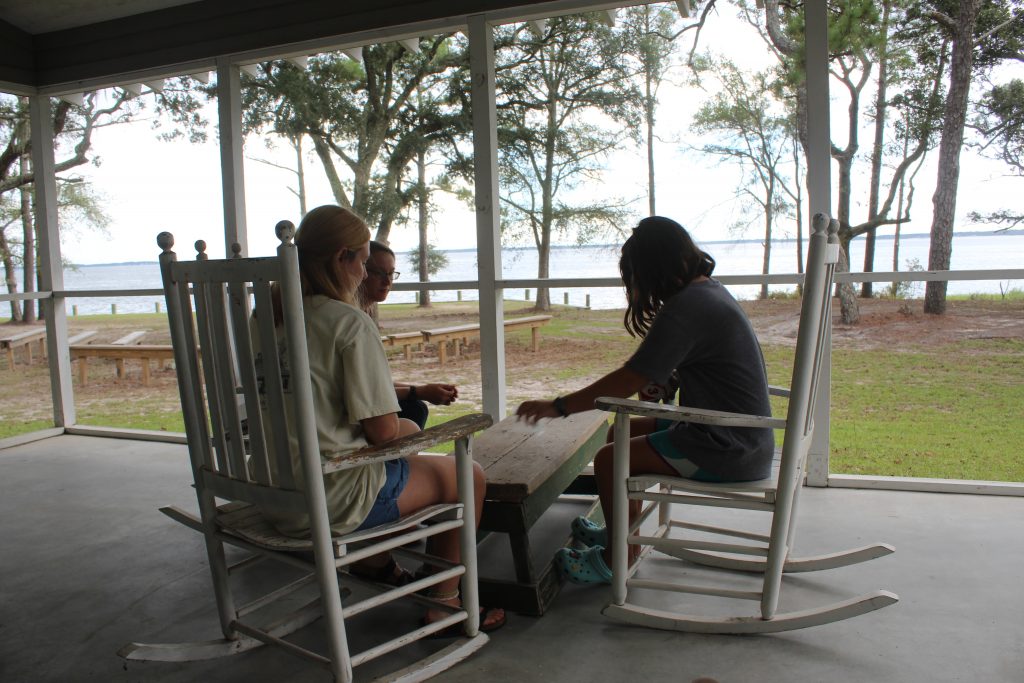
x=74 y=310
x=156 y=306
x=588 y=302
x=565 y=298
x=113 y=309
x=459 y=293
x=526 y=295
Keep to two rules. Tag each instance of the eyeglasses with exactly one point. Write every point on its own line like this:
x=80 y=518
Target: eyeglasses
x=378 y=273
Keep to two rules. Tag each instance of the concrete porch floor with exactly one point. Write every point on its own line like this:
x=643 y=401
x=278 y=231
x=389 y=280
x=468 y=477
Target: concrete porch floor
x=88 y=564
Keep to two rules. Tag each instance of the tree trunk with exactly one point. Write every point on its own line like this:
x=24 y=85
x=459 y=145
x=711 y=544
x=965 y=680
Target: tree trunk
x=769 y=217
x=649 y=104
x=424 y=215
x=876 y=148
x=323 y=151
x=29 y=244
x=300 y=171
x=848 y=308
x=10 y=276
x=944 y=200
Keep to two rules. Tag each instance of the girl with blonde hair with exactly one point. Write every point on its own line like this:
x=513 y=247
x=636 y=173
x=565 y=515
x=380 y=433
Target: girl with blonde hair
x=355 y=405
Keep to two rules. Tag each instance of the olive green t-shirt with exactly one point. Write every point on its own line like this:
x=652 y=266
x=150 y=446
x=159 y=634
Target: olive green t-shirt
x=351 y=382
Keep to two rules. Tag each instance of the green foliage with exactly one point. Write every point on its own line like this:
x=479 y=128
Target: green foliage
x=436 y=260
x=905 y=289
x=564 y=102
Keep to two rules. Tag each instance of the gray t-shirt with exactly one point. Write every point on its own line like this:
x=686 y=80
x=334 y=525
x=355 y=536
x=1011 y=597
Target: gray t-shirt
x=703 y=334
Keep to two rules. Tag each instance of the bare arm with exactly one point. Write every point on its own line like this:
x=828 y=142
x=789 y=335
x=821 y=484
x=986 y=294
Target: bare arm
x=620 y=383
x=384 y=428
x=438 y=394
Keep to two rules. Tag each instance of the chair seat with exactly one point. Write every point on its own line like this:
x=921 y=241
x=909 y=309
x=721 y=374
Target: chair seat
x=763 y=488
x=248 y=523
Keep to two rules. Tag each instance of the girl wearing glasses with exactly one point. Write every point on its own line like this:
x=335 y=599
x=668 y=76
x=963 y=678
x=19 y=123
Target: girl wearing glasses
x=380 y=273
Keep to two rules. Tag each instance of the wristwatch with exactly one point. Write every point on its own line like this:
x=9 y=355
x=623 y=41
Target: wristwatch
x=559 y=404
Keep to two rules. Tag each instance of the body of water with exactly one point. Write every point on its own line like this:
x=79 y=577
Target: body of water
x=970 y=252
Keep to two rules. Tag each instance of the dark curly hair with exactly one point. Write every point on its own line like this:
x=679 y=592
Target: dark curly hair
x=658 y=260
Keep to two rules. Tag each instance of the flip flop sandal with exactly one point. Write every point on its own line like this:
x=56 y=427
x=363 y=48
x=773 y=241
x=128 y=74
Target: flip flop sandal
x=456 y=629
x=391 y=574
x=583 y=566
x=588 y=533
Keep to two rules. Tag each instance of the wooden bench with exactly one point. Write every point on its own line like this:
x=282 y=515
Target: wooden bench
x=458 y=334
x=127 y=340
x=534 y=322
x=120 y=353
x=24 y=337
x=406 y=340
x=527 y=471
x=81 y=337
x=461 y=334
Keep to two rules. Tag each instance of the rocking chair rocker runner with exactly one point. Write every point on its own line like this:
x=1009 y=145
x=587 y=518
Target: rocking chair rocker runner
x=744 y=551
x=253 y=470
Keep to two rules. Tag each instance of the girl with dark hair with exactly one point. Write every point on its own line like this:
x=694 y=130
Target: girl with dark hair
x=412 y=398
x=691 y=330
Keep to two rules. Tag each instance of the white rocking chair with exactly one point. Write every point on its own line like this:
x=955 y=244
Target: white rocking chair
x=250 y=467
x=735 y=549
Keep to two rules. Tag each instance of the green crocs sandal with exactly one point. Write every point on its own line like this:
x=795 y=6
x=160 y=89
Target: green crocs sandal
x=583 y=566
x=588 y=533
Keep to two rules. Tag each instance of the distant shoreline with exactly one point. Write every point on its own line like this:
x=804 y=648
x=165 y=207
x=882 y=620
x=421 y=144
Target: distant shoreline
x=784 y=240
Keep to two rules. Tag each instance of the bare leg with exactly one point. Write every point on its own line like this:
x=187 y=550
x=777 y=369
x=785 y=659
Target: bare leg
x=642 y=460
x=432 y=480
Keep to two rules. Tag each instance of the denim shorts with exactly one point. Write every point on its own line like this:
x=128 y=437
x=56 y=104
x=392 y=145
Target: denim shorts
x=661 y=441
x=385 y=508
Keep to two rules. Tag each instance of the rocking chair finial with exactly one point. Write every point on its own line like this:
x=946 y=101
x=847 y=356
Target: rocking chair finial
x=201 y=250
x=285 y=231
x=165 y=241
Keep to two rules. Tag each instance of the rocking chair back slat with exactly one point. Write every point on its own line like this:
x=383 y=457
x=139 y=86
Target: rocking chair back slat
x=241 y=311
x=221 y=372
x=275 y=434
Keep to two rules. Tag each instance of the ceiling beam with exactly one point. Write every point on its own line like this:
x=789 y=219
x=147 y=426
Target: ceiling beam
x=189 y=38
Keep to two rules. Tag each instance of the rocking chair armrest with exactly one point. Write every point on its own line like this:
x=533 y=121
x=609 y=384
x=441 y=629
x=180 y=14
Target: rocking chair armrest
x=774 y=390
x=686 y=414
x=458 y=428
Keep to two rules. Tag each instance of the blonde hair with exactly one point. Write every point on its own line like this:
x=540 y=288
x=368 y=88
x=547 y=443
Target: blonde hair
x=324 y=232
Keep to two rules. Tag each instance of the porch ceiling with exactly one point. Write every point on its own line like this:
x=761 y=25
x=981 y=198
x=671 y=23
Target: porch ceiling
x=63 y=45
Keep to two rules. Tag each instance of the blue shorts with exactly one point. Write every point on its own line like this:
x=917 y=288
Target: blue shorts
x=661 y=441
x=385 y=508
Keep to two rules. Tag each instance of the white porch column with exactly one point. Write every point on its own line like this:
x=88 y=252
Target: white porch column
x=229 y=116
x=51 y=269
x=488 y=237
x=819 y=190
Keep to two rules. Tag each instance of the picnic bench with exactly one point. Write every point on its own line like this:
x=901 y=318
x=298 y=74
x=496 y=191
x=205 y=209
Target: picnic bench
x=128 y=339
x=528 y=470
x=120 y=353
x=406 y=340
x=460 y=335
x=534 y=322
x=24 y=337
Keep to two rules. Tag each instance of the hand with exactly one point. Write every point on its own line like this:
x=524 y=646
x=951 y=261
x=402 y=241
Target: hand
x=532 y=411
x=438 y=394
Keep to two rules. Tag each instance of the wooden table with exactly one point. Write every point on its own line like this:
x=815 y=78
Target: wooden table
x=527 y=471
